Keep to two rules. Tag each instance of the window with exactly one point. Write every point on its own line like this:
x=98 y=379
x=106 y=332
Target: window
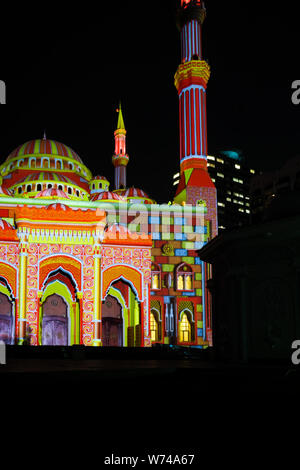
x=28 y=188
x=238 y=167
x=49 y=186
x=184 y=329
x=39 y=187
x=77 y=193
x=155 y=277
x=210 y=158
x=219 y=160
x=19 y=190
x=184 y=278
x=69 y=190
x=153 y=327
x=220 y=175
x=60 y=187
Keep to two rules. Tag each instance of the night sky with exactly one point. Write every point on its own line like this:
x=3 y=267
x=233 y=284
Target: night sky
x=67 y=65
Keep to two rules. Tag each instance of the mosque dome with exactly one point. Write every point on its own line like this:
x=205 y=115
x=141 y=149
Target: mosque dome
x=59 y=207
x=135 y=195
x=4 y=225
x=107 y=196
x=44 y=147
x=52 y=193
x=44 y=155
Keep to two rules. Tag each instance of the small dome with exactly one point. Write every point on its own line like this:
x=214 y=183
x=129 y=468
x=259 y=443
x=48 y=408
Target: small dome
x=52 y=193
x=4 y=192
x=59 y=207
x=100 y=178
x=135 y=194
x=107 y=196
x=5 y=225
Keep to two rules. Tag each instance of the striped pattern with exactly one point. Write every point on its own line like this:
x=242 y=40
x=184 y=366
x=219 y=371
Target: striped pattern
x=191 y=41
x=44 y=147
x=52 y=192
x=4 y=192
x=107 y=196
x=46 y=176
x=99 y=178
x=135 y=193
x=59 y=207
x=192 y=121
x=5 y=225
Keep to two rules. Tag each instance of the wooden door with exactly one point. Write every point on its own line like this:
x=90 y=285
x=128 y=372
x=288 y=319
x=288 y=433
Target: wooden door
x=112 y=323
x=55 y=322
x=5 y=319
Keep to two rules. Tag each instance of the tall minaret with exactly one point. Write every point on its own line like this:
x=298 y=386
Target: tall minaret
x=120 y=158
x=191 y=81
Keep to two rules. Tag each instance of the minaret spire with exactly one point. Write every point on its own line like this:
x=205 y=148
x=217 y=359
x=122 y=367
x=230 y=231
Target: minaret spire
x=191 y=81
x=120 y=158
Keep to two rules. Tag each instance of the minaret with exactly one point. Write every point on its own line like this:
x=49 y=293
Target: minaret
x=120 y=158
x=191 y=81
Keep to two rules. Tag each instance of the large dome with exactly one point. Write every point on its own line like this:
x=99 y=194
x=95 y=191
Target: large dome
x=44 y=147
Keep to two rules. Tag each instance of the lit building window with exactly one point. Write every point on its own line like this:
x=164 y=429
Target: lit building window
x=219 y=160
x=220 y=175
x=210 y=158
x=184 y=278
x=155 y=277
x=228 y=199
x=176 y=176
x=241 y=210
x=221 y=204
x=153 y=327
x=238 y=167
x=212 y=165
x=213 y=179
x=247 y=211
x=252 y=171
x=175 y=183
x=185 y=329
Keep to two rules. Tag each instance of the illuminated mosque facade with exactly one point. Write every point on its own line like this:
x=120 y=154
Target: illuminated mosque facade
x=83 y=263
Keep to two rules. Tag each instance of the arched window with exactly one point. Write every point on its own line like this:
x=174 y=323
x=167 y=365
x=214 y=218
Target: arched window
x=155 y=277
x=184 y=278
x=28 y=188
x=185 y=329
x=39 y=187
x=153 y=327
x=69 y=190
x=77 y=193
x=60 y=187
x=49 y=186
x=19 y=190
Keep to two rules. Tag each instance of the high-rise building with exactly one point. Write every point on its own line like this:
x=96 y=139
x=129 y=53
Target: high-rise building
x=231 y=176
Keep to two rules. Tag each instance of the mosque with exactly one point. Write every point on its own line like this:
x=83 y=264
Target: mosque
x=84 y=263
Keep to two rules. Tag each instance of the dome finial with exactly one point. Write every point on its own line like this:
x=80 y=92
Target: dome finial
x=44 y=137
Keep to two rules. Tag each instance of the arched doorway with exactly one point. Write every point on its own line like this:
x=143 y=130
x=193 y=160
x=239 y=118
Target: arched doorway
x=6 y=319
x=55 y=321
x=112 y=322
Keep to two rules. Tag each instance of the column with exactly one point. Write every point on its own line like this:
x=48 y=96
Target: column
x=22 y=289
x=97 y=298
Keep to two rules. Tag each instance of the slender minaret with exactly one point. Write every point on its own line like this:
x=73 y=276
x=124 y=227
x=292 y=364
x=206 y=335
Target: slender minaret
x=191 y=81
x=120 y=158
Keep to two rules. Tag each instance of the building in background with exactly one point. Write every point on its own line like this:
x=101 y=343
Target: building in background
x=266 y=186
x=231 y=176
x=83 y=264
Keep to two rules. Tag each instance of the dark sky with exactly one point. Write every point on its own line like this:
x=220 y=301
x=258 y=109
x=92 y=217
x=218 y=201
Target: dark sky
x=67 y=65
